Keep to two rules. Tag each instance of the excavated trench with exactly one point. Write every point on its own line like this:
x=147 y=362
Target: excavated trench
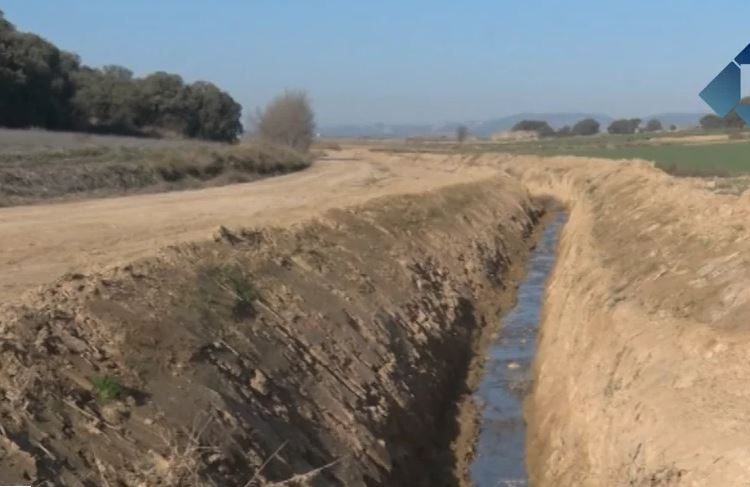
x=499 y=458
x=343 y=351
x=337 y=351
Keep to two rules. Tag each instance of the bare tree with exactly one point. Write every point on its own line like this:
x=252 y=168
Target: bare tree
x=461 y=133
x=289 y=120
x=654 y=125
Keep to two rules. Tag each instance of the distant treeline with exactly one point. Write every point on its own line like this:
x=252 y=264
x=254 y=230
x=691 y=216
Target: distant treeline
x=43 y=86
x=589 y=126
x=731 y=121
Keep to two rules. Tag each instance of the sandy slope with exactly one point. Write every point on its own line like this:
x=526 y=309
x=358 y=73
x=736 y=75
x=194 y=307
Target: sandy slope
x=642 y=367
x=40 y=243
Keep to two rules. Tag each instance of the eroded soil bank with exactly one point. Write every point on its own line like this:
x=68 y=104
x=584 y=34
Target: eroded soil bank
x=642 y=368
x=336 y=348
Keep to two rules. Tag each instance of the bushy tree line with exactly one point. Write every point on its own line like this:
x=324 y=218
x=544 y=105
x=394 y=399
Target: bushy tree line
x=43 y=86
x=731 y=121
x=541 y=127
x=629 y=126
x=590 y=126
x=587 y=126
x=624 y=126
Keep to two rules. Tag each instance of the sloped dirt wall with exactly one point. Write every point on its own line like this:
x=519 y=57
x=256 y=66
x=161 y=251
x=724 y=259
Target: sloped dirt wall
x=333 y=352
x=643 y=361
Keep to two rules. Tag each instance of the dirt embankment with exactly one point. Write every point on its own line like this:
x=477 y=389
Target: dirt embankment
x=340 y=345
x=642 y=367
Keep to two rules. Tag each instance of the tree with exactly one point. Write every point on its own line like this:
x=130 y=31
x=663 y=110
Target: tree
x=106 y=100
x=733 y=121
x=540 y=127
x=462 y=132
x=624 y=126
x=289 y=120
x=653 y=125
x=43 y=86
x=710 y=122
x=564 y=132
x=213 y=114
x=587 y=126
x=673 y=127
x=35 y=86
x=164 y=102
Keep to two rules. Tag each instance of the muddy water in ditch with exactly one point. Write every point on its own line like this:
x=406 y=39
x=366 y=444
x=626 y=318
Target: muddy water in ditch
x=499 y=458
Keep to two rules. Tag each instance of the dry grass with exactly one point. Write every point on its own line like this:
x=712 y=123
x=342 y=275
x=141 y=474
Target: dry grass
x=63 y=165
x=13 y=140
x=299 y=480
x=182 y=464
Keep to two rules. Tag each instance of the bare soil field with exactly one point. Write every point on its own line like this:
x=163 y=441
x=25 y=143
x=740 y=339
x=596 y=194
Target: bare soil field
x=323 y=325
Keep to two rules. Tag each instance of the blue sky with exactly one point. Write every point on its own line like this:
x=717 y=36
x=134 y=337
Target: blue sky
x=415 y=60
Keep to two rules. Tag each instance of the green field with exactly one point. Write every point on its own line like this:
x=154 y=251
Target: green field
x=730 y=157
x=720 y=159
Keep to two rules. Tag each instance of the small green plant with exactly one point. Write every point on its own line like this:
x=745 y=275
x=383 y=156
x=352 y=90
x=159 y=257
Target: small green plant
x=107 y=388
x=238 y=283
x=235 y=281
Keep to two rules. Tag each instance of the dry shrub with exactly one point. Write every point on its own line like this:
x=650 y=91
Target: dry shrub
x=288 y=120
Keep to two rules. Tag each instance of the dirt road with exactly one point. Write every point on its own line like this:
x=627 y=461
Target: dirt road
x=41 y=243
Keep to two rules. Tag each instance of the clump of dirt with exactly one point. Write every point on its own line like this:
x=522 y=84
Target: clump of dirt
x=332 y=353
